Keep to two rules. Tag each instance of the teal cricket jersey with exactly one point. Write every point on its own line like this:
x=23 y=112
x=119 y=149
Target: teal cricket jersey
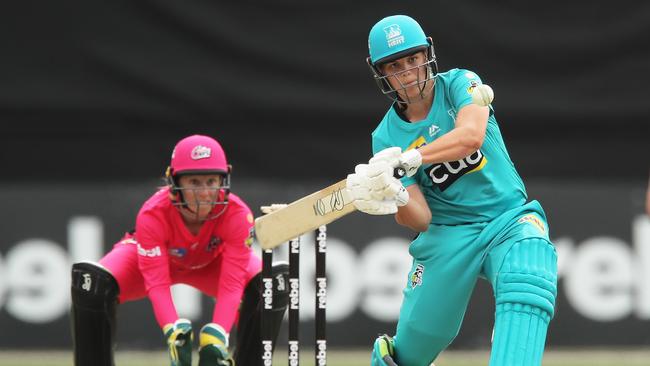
x=477 y=188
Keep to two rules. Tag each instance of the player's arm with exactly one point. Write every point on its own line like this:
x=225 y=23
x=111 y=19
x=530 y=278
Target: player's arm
x=471 y=99
x=234 y=262
x=466 y=137
x=153 y=263
x=416 y=215
x=463 y=140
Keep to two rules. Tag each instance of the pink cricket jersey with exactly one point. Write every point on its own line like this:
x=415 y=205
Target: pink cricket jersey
x=167 y=249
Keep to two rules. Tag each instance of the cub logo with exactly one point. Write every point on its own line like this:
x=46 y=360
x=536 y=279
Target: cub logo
x=445 y=174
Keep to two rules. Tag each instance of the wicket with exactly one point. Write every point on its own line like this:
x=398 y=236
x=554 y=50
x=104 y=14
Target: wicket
x=320 y=346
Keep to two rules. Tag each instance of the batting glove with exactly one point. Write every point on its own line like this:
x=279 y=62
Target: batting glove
x=360 y=192
x=374 y=207
x=410 y=161
x=382 y=184
x=357 y=183
x=374 y=202
x=389 y=156
x=179 y=340
x=213 y=346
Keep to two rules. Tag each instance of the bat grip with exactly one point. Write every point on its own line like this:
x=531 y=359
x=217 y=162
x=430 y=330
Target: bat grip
x=399 y=172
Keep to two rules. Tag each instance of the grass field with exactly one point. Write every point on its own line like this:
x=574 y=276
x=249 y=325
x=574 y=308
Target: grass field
x=628 y=357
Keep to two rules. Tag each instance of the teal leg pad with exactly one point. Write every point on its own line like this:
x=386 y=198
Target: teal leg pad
x=525 y=290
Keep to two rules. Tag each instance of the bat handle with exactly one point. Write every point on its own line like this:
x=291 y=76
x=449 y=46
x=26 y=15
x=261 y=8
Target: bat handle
x=399 y=172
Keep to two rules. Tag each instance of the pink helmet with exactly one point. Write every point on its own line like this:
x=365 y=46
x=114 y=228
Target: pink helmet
x=198 y=154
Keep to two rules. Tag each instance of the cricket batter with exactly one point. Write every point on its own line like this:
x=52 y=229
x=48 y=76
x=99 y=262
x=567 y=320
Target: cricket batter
x=464 y=196
x=193 y=231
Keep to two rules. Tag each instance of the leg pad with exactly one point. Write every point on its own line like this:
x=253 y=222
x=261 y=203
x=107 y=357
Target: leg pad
x=526 y=288
x=249 y=337
x=94 y=303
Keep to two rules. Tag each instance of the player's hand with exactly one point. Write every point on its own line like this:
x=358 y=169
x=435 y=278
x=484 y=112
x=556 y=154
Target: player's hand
x=374 y=203
x=358 y=185
x=383 y=185
x=374 y=207
x=410 y=160
x=179 y=340
x=213 y=346
x=389 y=156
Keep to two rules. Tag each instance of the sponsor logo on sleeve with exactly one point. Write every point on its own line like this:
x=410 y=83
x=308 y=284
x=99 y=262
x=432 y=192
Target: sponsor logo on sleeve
x=153 y=252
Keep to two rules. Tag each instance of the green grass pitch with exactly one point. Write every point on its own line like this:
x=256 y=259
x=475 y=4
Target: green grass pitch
x=339 y=357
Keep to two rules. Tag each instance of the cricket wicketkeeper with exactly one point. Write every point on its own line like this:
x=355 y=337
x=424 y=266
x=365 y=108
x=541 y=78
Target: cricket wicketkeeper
x=463 y=195
x=193 y=231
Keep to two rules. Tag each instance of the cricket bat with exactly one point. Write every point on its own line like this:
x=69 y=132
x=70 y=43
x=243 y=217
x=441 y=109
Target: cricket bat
x=308 y=213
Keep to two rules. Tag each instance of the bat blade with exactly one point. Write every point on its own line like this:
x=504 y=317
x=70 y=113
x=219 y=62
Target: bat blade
x=303 y=215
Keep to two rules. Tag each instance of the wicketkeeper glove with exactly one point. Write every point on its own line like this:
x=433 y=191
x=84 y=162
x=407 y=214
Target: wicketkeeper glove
x=179 y=340
x=213 y=346
x=383 y=352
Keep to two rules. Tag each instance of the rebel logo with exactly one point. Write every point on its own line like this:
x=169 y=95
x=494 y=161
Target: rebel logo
x=321 y=293
x=321 y=352
x=445 y=174
x=294 y=353
x=267 y=294
x=294 y=293
x=267 y=355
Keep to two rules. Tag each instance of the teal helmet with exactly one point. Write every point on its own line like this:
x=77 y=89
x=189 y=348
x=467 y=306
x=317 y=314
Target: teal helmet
x=395 y=37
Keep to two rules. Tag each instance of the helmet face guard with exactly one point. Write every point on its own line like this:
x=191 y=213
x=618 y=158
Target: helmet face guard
x=399 y=94
x=199 y=155
x=179 y=194
x=395 y=37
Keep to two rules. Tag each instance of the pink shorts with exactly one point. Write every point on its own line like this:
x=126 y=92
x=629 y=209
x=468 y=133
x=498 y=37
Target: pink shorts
x=122 y=261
